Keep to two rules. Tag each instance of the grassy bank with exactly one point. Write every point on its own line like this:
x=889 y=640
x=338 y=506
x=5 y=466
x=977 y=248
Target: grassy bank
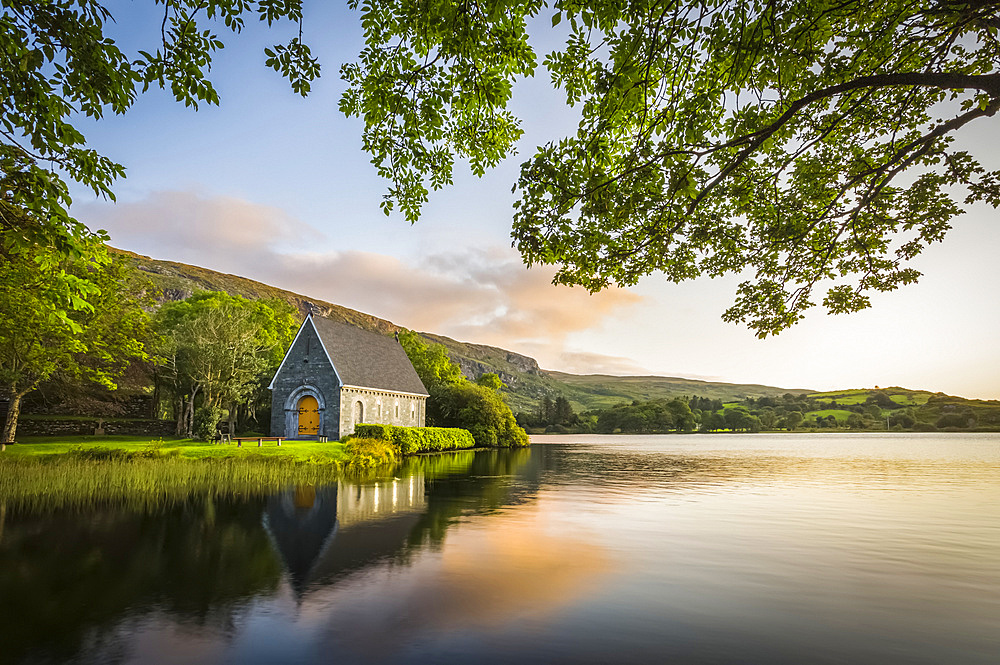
x=60 y=472
x=68 y=481
x=186 y=448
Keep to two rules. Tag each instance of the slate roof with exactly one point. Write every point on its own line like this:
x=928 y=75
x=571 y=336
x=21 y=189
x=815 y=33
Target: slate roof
x=367 y=359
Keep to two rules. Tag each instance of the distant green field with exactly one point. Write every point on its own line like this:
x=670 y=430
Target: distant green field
x=912 y=399
x=840 y=414
x=860 y=396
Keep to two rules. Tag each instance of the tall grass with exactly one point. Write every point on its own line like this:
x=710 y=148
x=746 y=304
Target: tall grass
x=142 y=481
x=154 y=476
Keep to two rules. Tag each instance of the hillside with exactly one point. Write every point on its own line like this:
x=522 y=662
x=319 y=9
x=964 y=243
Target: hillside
x=602 y=390
x=527 y=382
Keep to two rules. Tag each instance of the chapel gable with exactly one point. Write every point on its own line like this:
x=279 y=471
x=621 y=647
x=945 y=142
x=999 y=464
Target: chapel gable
x=336 y=376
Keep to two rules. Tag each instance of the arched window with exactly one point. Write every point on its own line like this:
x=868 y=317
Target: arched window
x=359 y=413
x=413 y=411
x=397 y=409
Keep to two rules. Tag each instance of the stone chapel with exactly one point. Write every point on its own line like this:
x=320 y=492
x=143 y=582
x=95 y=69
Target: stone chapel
x=335 y=376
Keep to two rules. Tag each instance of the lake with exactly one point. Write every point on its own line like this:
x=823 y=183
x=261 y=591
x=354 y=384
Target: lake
x=765 y=548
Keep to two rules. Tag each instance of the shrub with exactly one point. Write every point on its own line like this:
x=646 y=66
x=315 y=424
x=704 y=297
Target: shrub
x=206 y=420
x=955 y=420
x=370 y=452
x=409 y=440
x=484 y=413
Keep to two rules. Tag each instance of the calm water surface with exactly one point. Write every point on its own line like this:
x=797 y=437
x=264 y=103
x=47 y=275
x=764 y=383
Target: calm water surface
x=586 y=549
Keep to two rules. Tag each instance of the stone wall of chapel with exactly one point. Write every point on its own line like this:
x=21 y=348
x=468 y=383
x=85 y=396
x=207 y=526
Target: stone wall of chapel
x=381 y=407
x=306 y=365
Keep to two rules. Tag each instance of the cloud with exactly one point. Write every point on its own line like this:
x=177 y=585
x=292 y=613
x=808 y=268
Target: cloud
x=584 y=362
x=531 y=574
x=483 y=295
x=185 y=226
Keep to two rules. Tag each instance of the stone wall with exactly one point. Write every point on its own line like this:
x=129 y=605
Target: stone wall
x=97 y=402
x=27 y=426
x=381 y=407
x=306 y=370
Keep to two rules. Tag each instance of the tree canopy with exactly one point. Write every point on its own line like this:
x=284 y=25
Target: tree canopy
x=806 y=145
x=59 y=65
x=456 y=402
x=220 y=349
x=41 y=335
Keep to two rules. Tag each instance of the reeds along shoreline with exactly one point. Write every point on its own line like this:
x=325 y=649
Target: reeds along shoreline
x=62 y=482
x=150 y=480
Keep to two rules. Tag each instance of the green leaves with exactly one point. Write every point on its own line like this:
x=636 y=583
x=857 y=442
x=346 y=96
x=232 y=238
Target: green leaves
x=222 y=345
x=295 y=62
x=78 y=318
x=431 y=85
x=57 y=62
x=714 y=137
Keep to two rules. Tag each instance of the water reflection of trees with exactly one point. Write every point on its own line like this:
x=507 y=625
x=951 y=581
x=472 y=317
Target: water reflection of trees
x=77 y=575
x=63 y=575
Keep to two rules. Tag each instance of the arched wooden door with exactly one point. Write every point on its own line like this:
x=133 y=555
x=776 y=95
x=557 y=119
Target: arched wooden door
x=308 y=416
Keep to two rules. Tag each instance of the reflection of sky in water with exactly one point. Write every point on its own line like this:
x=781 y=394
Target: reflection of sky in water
x=702 y=549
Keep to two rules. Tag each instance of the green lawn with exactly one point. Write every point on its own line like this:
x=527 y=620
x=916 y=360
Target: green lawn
x=898 y=395
x=846 y=400
x=188 y=448
x=911 y=399
x=840 y=414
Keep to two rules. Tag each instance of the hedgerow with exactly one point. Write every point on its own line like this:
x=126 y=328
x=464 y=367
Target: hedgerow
x=409 y=440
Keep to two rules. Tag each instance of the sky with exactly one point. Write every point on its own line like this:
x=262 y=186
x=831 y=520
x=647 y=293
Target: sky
x=276 y=188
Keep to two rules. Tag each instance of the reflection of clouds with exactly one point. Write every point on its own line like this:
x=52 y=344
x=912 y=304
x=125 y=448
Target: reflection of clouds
x=482 y=580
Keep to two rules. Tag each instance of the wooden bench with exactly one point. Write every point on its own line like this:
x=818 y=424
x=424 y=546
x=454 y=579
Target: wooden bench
x=259 y=439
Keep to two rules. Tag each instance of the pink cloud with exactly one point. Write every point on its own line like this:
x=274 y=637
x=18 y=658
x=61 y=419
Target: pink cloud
x=485 y=296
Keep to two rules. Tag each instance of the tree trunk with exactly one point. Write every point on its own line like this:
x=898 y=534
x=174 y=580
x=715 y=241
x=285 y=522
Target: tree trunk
x=13 y=411
x=181 y=417
x=232 y=419
x=190 y=414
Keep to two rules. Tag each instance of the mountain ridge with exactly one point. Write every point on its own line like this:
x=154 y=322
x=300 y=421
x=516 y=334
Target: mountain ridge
x=526 y=381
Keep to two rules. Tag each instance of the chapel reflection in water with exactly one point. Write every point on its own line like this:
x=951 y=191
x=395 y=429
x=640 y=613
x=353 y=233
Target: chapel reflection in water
x=323 y=533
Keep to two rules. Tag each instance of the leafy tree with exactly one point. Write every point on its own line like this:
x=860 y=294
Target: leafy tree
x=681 y=415
x=904 y=420
x=456 y=402
x=562 y=411
x=713 y=422
x=483 y=412
x=962 y=419
x=491 y=381
x=739 y=419
x=768 y=418
x=48 y=328
x=431 y=361
x=883 y=400
x=873 y=409
x=219 y=348
x=793 y=419
x=647 y=417
x=546 y=410
x=59 y=65
x=806 y=142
